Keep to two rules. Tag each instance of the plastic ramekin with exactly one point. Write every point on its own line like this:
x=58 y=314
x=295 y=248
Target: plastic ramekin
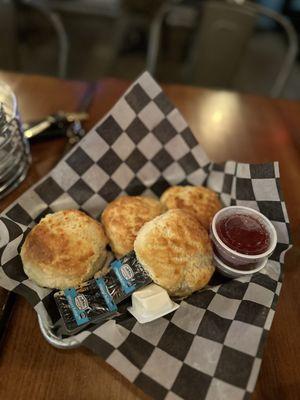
x=232 y=263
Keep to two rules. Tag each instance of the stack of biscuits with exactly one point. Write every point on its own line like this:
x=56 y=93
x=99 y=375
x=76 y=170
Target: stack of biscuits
x=169 y=236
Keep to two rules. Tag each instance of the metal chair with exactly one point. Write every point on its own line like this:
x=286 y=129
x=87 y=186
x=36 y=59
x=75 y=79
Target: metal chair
x=9 y=57
x=221 y=31
x=58 y=27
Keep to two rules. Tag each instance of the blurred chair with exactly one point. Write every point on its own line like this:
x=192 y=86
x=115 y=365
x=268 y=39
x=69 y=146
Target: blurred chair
x=221 y=31
x=61 y=36
x=62 y=40
x=135 y=16
x=108 y=8
x=9 y=28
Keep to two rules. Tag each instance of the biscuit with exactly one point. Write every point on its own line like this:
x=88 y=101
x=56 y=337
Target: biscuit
x=64 y=249
x=201 y=201
x=124 y=217
x=176 y=251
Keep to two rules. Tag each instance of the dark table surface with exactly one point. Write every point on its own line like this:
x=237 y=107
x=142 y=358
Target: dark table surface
x=229 y=126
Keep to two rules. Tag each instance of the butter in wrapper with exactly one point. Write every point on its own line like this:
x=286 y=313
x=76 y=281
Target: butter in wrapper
x=96 y=300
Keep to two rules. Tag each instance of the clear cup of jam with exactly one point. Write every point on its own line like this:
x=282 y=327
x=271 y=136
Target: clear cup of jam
x=243 y=239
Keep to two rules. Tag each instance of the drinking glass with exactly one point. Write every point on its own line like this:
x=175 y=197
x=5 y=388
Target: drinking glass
x=14 y=147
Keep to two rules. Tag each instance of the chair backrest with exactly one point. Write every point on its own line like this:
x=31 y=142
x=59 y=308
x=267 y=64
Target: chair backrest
x=218 y=44
x=58 y=27
x=221 y=34
x=9 y=57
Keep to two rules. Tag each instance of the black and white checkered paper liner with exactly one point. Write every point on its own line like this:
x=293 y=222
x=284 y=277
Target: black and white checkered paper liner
x=211 y=347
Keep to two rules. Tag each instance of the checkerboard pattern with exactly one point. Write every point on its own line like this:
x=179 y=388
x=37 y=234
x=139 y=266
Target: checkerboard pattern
x=211 y=347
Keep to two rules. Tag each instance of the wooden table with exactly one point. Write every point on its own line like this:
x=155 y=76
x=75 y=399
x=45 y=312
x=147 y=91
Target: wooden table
x=229 y=126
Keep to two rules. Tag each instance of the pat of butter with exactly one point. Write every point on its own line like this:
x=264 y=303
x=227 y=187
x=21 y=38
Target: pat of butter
x=150 y=303
x=151 y=299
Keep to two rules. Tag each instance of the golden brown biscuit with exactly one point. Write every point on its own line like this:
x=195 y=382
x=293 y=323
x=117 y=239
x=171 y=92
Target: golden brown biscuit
x=124 y=217
x=201 y=201
x=64 y=249
x=176 y=251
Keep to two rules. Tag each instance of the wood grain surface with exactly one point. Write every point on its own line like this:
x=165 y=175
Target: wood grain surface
x=228 y=126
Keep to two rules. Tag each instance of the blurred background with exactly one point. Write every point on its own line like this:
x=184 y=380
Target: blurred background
x=237 y=45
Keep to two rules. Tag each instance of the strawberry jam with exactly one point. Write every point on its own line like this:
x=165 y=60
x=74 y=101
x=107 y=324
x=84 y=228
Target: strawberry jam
x=244 y=234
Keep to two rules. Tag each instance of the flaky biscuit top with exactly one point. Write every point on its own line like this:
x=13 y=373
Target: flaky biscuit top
x=64 y=247
x=176 y=251
x=201 y=201
x=123 y=218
